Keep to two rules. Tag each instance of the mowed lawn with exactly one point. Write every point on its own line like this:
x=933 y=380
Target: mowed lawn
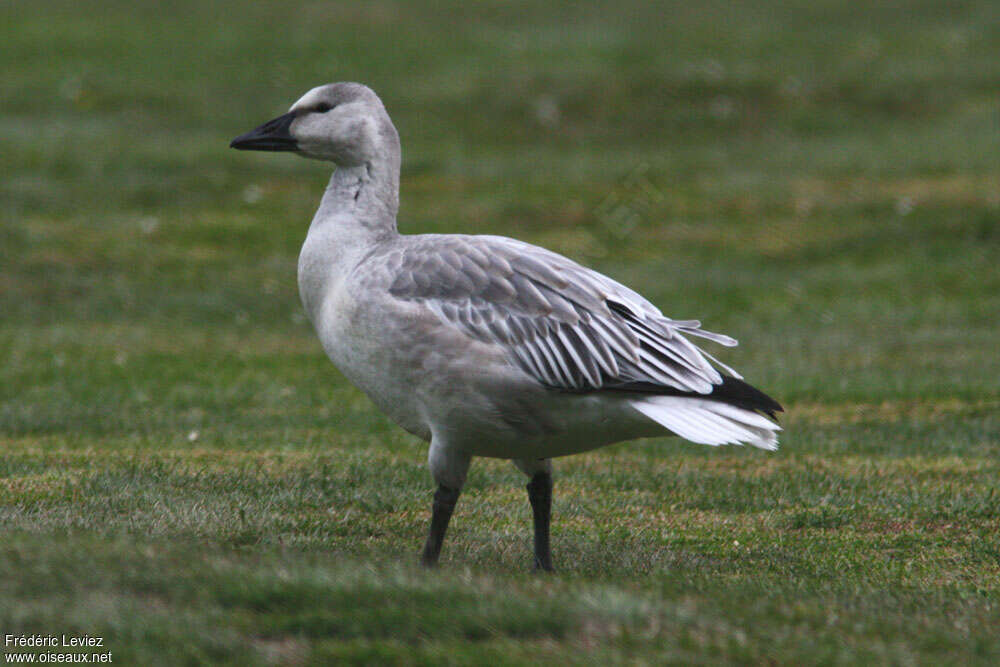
x=183 y=474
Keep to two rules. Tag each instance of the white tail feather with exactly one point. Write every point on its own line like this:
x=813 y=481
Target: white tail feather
x=710 y=422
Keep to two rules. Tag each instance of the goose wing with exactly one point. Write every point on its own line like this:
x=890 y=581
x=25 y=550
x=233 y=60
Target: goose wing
x=567 y=326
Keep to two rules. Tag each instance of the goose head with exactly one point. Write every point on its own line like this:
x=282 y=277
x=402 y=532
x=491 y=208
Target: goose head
x=344 y=123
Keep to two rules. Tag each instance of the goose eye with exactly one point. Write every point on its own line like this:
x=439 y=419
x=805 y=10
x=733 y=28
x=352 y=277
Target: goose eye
x=322 y=108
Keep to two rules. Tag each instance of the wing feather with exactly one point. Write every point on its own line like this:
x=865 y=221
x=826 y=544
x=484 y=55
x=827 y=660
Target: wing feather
x=597 y=350
x=565 y=325
x=622 y=340
x=557 y=356
x=584 y=361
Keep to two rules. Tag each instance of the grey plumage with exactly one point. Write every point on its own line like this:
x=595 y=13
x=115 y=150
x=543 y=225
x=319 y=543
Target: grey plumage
x=485 y=345
x=567 y=326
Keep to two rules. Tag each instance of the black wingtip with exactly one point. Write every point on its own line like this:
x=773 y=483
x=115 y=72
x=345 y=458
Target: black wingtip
x=731 y=390
x=743 y=394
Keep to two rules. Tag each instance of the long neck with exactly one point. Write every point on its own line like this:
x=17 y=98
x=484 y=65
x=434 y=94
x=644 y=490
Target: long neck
x=362 y=201
x=365 y=197
x=358 y=211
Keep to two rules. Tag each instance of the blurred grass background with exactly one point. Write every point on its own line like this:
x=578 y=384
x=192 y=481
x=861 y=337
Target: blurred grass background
x=183 y=473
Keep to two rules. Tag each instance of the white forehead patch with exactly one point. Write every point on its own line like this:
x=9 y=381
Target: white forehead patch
x=310 y=99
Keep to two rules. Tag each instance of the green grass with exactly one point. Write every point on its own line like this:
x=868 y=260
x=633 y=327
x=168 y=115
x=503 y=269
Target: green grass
x=183 y=474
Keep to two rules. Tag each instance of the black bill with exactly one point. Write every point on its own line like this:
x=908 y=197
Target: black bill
x=273 y=135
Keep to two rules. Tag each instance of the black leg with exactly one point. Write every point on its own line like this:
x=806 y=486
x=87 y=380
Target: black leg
x=540 y=495
x=444 y=505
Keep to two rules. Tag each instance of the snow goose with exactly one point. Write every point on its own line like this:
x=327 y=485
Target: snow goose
x=484 y=345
